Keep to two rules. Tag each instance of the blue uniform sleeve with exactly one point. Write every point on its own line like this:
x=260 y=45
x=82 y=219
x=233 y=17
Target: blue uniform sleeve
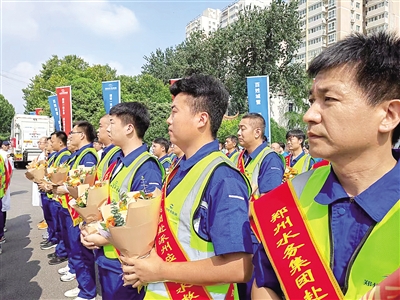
x=223 y=213
x=89 y=160
x=271 y=173
x=166 y=165
x=151 y=174
x=264 y=273
x=64 y=159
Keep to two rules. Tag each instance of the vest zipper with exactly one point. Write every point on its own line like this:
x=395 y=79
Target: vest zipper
x=353 y=258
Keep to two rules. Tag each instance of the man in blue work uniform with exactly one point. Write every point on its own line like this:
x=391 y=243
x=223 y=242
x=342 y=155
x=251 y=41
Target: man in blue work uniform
x=353 y=121
x=213 y=216
x=135 y=170
x=81 y=259
x=160 y=147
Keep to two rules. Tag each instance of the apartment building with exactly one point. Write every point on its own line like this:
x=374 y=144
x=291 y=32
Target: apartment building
x=212 y=19
x=208 y=22
x=323 y=22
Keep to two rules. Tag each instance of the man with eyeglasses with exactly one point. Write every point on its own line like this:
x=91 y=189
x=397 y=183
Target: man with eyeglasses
x=80 y=258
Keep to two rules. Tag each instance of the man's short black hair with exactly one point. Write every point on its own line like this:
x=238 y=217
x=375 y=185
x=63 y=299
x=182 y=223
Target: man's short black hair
x=282 y=145
x=134 y=113
x=87 y=129
x=208 y=95
x=259 y=119
x=163 y=142
x=62 y=136
x=375 y=61
x=297 y=133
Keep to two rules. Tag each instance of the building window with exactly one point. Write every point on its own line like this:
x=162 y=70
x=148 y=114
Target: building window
x=331 y=26
x=331 y=3
x=331 y=38
x=358 y=28
x=291 y=107
x=358 y=16
x=331 y=14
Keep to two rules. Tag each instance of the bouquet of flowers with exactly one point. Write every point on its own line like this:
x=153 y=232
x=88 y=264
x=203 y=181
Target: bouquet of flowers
x=87 y=203
x=57 y=175
x=289 y=174
x=36 y=171
x=79 y=180
x=135 y=215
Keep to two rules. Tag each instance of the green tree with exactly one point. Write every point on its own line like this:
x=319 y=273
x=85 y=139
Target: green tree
x=228 y=127
x=7 y=113
x=278 y=133
x=159 y=113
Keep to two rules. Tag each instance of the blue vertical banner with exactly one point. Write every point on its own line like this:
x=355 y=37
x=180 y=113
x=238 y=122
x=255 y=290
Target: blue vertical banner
x=111 y=94
x=55 y=111
x=258 y=97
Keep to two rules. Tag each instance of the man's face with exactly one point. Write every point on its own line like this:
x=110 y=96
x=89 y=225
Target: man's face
x=247 y=133
x=341 y=125
x=117 y=131
x=294 y=143
x=102 y=133
x=98 y=146
x=55 y=143
x=157 y=149
x=49 y=147
x=42 y=144
x=182 y=124
x=276 y=147
x=75 y=136
x=229 y=145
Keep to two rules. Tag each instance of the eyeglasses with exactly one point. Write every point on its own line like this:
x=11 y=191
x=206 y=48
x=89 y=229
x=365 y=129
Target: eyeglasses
x=73 y=132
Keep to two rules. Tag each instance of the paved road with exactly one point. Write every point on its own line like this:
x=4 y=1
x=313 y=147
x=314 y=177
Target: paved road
x=24 y=269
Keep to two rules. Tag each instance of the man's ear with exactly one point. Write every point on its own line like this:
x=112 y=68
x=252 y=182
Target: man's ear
x=204 y=118
x=391 y=117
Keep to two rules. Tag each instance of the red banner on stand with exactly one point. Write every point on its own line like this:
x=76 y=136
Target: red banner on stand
x=65 y=105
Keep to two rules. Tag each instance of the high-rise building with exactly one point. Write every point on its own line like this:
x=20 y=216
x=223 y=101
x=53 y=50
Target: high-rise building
x=208 y=22
x=323 y=22
x=212 y=19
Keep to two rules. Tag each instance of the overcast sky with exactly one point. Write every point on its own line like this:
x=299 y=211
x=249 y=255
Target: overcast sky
x=118 y=33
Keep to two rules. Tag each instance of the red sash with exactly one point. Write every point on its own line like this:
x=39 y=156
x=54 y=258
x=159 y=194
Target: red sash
x=8 y=174
x=242 y=170
x=169 y=249
x=107 y=176
x=302 y=272
x=322 y=163
x=287 y=160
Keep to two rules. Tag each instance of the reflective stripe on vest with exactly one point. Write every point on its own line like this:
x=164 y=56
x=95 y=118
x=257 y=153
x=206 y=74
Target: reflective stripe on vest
x=56 y=163
x=2 y=177
x=104 y=163
x=303 y=164
x=122 y=182
x=378 y=257
x=180 y=206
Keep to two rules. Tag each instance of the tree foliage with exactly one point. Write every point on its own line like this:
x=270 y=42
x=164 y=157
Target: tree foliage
x=260 y=42
x=7 y=113
x=85 y=81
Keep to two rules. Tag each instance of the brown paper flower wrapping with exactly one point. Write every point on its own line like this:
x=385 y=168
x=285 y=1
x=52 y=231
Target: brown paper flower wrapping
x=96 y=197
x=57 y=176
x=36 y=174
x=136 y=237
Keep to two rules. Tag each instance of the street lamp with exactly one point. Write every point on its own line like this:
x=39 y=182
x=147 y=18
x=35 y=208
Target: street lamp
x=48 y=91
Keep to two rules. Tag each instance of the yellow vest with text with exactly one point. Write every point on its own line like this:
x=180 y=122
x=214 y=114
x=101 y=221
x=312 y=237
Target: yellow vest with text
x=180 y=207
x=75 y=165
x=2 y=178
x=122 y=182
x=103 y=164
x=374 y=261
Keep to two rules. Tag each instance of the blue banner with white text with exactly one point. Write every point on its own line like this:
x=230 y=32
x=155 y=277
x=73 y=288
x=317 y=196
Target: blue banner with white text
x=258 y=97
x=55 y=111
x=111 y=94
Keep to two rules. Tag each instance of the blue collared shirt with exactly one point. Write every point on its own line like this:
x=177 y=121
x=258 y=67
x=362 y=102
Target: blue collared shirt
x=167 y=163
x=150 y=171
x=350 y=222
x=223 y=215
x=231 y=154
x=271 y=169
x=88 y=160
x=293 y=161
x=114 y=158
